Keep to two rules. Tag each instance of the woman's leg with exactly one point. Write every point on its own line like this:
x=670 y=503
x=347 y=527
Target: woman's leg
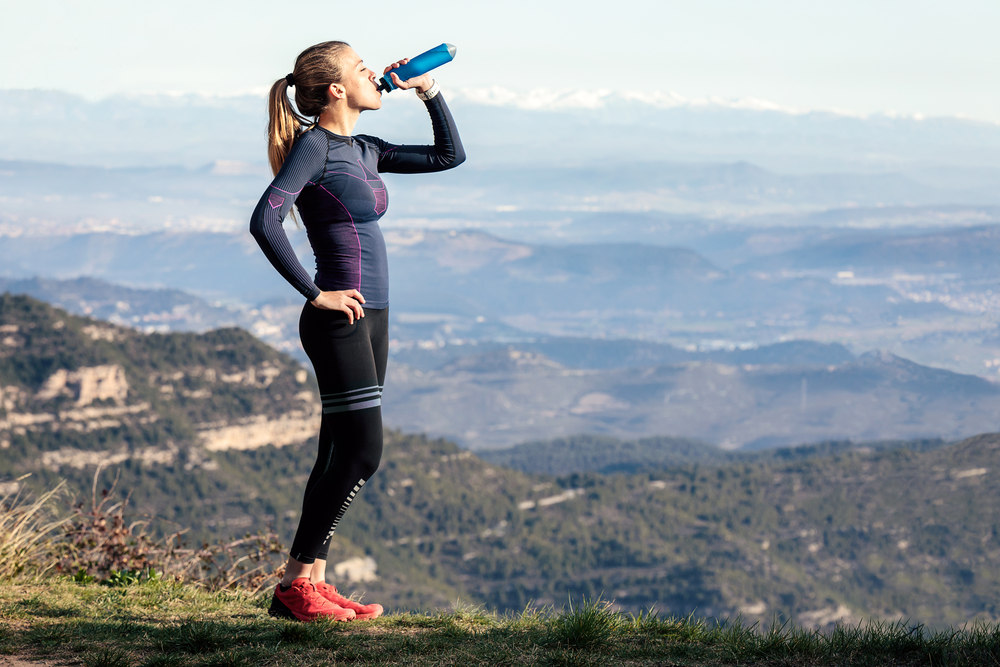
x=349 y=360
x=296 y=570
x=377 y=330
x=316 y=571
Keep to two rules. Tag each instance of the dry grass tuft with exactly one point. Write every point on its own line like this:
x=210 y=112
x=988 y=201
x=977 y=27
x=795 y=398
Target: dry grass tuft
x=29 y=533
x=97 y=541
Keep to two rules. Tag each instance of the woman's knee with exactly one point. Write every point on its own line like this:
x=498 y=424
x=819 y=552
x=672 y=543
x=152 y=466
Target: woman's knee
x=358 y=459
x=369 y=458
x=358 y=442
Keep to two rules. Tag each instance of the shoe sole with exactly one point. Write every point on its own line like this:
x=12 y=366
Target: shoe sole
x=368 y=616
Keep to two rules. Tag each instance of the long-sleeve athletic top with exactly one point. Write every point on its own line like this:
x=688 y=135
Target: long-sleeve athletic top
x=335 y=182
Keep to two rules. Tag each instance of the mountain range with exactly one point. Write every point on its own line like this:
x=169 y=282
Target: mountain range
x=196 y=130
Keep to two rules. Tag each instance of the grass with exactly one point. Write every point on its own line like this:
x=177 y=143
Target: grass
x=159 y=623
x=26 y=531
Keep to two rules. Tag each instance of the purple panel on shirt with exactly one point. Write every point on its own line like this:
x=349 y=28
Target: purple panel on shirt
x=381 y=201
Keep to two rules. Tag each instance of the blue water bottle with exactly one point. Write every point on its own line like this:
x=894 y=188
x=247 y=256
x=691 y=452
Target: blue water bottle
x=418 y=65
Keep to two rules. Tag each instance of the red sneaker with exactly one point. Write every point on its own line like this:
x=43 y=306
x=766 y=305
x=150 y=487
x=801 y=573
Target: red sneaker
x=362 y=612
x=303 y=601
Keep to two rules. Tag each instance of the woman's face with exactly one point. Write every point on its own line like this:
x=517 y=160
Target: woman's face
x=359 y=82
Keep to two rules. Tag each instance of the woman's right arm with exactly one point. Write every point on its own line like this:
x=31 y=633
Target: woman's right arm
x=304 y=164
x=446 y=153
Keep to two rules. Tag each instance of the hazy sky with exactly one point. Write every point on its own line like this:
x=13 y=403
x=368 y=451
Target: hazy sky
x=862 y=56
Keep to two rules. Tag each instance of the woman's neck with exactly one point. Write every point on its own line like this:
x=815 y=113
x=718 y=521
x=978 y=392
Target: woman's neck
x=339 y=119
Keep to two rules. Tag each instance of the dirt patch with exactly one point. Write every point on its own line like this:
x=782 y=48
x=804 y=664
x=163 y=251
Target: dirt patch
x=20 y=661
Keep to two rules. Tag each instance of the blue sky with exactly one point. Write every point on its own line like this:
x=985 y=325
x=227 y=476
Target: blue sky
x=860 y=56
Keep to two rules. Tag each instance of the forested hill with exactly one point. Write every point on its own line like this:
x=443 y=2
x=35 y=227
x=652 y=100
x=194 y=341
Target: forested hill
x=72 y=386
x=606 y=454
x=890 y=534
x=214 y=432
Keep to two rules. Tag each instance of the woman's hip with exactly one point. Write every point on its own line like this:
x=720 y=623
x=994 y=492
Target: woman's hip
x=346 y=356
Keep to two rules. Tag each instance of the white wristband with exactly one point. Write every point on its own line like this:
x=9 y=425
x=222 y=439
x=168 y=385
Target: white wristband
x=431 y=92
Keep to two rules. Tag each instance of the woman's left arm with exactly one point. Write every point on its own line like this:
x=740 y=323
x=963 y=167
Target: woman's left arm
x=447 y=151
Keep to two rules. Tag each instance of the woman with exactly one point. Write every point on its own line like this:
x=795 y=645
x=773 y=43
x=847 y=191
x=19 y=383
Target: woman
x=333 y=178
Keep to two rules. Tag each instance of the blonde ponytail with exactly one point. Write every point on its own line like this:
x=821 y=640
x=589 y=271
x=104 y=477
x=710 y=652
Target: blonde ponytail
x=315 y=69
x=283 y=125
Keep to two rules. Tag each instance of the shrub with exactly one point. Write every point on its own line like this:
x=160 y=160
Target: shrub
x=97 y=542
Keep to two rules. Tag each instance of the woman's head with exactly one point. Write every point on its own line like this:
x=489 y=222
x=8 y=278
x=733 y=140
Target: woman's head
x=315 y=69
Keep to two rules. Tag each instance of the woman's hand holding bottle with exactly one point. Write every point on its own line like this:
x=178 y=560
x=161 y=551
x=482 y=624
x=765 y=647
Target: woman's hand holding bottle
x=422 y=83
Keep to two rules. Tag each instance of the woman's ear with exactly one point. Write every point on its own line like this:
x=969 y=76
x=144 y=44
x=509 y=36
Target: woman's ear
x=336 y=92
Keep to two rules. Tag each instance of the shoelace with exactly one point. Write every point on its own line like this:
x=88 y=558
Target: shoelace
x=310 y=593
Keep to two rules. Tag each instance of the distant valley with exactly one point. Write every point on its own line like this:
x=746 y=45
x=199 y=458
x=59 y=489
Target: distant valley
x=928 y=296
x=505 y=397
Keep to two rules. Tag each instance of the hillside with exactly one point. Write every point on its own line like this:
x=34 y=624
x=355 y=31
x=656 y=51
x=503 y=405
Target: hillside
x=607 y=455
x=893 y=535
x=63 y=374
x=603 y=354
x=970 y=252
x=213 y=432
x=77 y=392
x=161 y=310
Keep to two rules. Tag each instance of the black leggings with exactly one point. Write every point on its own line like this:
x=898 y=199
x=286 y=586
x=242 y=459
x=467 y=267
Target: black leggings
x=349 y=360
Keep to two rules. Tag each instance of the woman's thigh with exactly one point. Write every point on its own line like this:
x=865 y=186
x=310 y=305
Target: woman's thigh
x=349 y=359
